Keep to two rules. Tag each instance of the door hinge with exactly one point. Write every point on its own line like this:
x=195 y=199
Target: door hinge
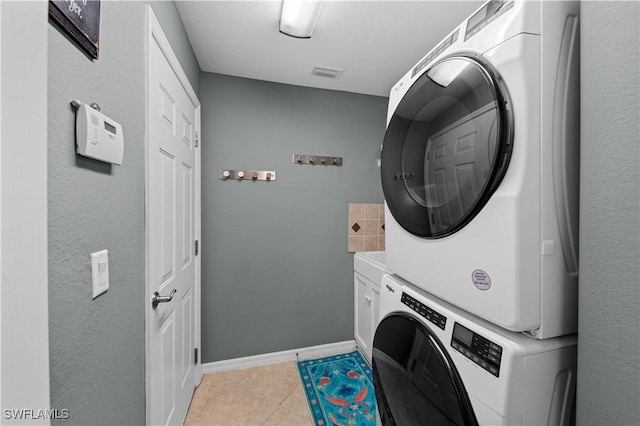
x=195 y=356
x=197 y=138
x=196 y=247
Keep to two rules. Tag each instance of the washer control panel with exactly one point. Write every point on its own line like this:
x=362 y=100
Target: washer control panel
x=435 y=52
x=478 y=349
x=487 y=14
x=432 y=316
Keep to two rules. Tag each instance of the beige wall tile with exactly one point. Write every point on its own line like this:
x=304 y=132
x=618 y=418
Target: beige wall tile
x=370 y=220
x=355 y=244
x=356 y=230
x=356 y=211
x=371 y=243
x=371 y=211
x=371 y=227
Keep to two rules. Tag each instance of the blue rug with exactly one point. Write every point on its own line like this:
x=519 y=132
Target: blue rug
x=339 y=390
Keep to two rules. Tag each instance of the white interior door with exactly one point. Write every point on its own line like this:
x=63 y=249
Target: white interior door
x=172 y=205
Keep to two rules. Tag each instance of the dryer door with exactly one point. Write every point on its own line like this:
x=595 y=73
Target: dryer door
x=416 y=382
x=447 y=147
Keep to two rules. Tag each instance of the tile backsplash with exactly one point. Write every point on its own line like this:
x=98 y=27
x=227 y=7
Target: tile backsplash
x=366 y=227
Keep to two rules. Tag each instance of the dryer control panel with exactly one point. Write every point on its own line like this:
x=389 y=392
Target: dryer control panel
x=478 y=349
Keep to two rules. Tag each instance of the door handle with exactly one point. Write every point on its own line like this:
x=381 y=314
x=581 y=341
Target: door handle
x=156 y=299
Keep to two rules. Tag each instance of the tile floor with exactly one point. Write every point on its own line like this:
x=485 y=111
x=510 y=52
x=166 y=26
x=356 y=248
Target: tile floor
x=265 y=395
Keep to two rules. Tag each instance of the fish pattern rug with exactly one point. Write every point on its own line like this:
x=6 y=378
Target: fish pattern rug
x=339 y=390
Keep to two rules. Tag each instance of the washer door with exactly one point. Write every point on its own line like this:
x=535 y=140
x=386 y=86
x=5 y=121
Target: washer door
x=416 y=382
x=447 y=147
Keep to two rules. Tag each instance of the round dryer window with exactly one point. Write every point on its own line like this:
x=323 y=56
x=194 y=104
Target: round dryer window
x=447 y=147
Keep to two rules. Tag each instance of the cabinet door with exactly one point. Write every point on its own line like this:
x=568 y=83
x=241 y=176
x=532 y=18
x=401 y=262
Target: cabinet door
x=363 y=331
x=375 y=315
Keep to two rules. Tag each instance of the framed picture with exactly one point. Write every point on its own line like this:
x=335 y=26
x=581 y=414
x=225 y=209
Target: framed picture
x=80 y=20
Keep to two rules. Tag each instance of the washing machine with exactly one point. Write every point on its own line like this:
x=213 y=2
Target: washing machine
x=435 y=364
x=480 y=167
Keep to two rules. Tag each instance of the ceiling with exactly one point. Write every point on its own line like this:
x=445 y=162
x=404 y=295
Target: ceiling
x=374 y=42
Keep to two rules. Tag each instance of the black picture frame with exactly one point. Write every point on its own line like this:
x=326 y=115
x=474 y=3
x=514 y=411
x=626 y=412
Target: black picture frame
x=80 y=20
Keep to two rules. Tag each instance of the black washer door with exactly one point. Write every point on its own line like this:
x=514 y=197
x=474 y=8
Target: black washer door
x=447 y=147
x=415 y=380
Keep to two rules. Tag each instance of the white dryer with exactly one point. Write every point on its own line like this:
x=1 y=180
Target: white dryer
x=480 y=167
x=435 y=364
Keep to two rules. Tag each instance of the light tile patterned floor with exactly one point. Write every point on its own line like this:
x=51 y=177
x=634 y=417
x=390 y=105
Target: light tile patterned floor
x=266 y=395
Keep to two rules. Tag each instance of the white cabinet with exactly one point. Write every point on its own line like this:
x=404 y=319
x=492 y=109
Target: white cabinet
x=366 y=294
x=368 y=270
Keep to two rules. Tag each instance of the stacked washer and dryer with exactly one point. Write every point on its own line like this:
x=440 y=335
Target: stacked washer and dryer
x=480 y=170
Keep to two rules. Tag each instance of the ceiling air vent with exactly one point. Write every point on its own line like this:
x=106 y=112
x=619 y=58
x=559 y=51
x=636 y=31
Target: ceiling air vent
x=326 y=71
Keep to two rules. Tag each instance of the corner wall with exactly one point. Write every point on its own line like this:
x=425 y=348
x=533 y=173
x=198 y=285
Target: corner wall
x=276 y=273
x=24 y=345
x=609 y=320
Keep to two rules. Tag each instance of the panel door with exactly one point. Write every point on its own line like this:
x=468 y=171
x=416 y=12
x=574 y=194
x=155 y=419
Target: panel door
x=362 y=314
x=171 y=251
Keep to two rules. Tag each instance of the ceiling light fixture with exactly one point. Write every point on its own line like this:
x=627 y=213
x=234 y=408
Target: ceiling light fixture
x=298 y=17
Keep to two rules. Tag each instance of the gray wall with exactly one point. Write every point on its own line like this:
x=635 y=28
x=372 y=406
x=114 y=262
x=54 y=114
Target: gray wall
x=276 y=274
x=97 y=347
x=608 y=360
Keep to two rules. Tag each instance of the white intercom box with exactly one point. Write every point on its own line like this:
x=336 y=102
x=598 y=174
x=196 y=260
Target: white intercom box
x=98 y=136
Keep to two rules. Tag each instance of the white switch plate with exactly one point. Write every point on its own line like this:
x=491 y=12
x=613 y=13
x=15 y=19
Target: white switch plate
x=100 y=272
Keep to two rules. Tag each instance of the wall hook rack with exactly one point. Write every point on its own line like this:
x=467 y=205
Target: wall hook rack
x=265 y=175
x=321 y=160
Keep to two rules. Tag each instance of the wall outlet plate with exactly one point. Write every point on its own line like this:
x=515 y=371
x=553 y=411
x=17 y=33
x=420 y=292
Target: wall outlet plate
x=100 y=272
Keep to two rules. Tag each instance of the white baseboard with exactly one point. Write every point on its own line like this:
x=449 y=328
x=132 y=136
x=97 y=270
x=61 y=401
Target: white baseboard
x=282 y=356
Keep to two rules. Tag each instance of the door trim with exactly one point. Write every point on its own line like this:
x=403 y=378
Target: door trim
x=154 y=31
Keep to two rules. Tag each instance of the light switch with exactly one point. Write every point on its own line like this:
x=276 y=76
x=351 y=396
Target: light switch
x=100 y=272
